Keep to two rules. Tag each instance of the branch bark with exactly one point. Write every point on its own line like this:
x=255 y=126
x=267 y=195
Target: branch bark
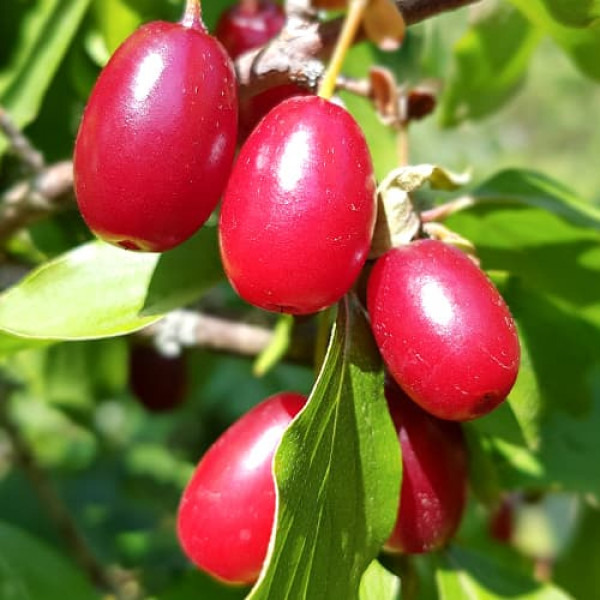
x=191 y=329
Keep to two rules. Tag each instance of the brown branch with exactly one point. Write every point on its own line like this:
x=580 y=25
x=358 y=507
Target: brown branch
x=38 y=197
x=190 y=329
x=415 y=11
x=297 y=54
x=19 y=144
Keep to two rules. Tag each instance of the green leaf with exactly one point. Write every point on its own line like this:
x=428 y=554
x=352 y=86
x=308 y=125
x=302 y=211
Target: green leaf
x=196 y=585
x=467 y=574
x=275 y=351
x=98 y=290
x=578 y=569
x=529 y=226
x=581 y=13
x=581 y=45
x=29 y=570
x=45 y=34
x=378 y=583
x=380 y=138
x=338 y=472
x=116 y=20
x=489 y=67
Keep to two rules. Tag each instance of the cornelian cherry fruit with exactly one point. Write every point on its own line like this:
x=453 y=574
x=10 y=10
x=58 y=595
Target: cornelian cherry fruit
x=157 y=138
x=227 y=510
x=249 y=24
x=444 y=331
x=433 y=494
x=159 y=382
x=299 y=209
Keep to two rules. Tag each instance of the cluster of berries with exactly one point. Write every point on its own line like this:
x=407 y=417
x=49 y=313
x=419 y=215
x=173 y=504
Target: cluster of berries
x=155 y=153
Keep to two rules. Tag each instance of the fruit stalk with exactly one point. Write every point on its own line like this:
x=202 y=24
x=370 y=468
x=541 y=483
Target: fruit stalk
x=192 y=15
x=354 y=16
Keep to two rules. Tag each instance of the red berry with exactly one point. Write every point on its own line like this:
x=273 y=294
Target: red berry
x=434 y=477
x=254 y=108
x=158 y=382
x=227 y=509
x=502 y=520
x=299 y=209
x=157 y=138
x=445 y=333
x=249 y=25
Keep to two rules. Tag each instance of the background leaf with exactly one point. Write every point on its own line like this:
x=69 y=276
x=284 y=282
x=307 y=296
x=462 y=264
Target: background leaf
x=45 y=33
x=98 y=290
x=29 y=570
x=378 y=583
x=488 y=68
x=581 y=45
x=468 y=574
x=575 y=14
x=337 y=471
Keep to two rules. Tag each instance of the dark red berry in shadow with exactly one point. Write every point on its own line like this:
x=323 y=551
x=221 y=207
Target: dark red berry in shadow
x=249 y=25
x=434 y=477
x=158 y=382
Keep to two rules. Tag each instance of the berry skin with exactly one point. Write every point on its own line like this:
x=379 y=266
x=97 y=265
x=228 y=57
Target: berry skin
x=254 y=108
x=434 y=477
x=157 y=138
x=445 y=333
x=249 y=25
x=299 y=209
x=158 y=382
x=227 y=510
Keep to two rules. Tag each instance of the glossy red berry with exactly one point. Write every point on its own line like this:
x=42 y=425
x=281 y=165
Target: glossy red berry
x=227 y=509
x=157 y=138
x=159 y=382
x=445 y=333
x=249 y=25
x=299 y=209
x=434 y=477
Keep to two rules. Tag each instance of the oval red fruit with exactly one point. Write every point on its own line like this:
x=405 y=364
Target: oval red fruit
x=157 y=138
x=227 y=509
x=445 y=333
x=299 y=209
x=434 y=477
x=249 y=25
x=159 y=382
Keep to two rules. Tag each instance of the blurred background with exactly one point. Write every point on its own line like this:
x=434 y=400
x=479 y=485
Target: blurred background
x=118 y=461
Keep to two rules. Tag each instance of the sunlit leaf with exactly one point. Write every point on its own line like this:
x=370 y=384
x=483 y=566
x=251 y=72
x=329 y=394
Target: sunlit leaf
x=490 y=63
x=337 y=472
x=45 y=33
x=98 y=290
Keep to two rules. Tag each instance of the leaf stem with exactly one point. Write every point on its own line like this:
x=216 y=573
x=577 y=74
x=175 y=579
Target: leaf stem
x=354 y=16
